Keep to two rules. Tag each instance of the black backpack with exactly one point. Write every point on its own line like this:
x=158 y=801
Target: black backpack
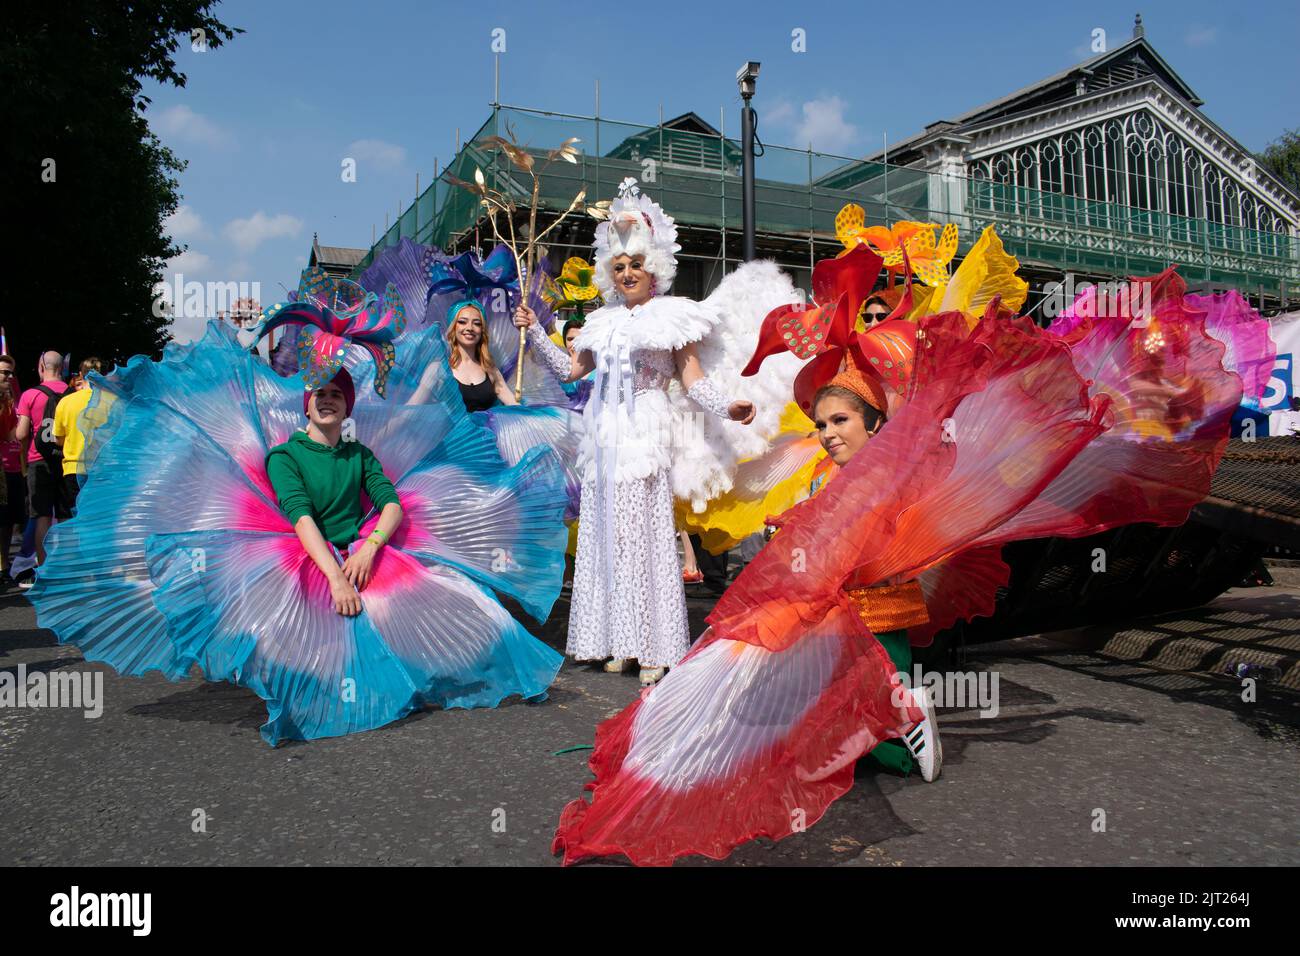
x=43 y=431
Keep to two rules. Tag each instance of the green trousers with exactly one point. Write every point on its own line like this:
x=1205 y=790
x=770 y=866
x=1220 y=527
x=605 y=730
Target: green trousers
x=892 y=755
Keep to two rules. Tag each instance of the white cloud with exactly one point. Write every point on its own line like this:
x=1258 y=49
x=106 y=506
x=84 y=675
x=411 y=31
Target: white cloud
x=383 y=155
x=1198 y=36
x=248 y=234
x=190 y=263
x=182 y=123
x=779 y=113
x=822 y=123
x=185 y=224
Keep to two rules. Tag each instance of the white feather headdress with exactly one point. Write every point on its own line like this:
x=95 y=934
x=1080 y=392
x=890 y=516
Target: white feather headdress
x=637 y=225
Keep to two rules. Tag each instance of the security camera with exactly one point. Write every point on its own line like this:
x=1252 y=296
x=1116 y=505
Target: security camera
x=747 y=76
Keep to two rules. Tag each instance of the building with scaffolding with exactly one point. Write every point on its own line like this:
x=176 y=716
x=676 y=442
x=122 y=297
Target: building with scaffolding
x=1105 y=170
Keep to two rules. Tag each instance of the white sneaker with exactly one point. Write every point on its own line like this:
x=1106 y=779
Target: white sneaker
x=616 y=665
x=922 y=741
x=652 y=675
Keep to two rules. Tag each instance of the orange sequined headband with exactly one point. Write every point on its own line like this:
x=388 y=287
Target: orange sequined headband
x=866 y=387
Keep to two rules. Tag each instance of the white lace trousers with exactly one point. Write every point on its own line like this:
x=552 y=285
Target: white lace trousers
x=644 y=614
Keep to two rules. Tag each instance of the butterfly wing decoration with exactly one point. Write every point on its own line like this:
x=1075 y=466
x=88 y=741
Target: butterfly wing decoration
x=323 y=341
x=375 y=331
x=320 y=356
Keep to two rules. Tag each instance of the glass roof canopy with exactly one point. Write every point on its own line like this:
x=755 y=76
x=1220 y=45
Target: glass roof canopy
x=696 y=177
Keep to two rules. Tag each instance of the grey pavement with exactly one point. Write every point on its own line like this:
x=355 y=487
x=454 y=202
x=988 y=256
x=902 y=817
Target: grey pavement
x=1184 y=771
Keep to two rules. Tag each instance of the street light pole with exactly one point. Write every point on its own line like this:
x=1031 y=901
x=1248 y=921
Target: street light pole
x=747 y=77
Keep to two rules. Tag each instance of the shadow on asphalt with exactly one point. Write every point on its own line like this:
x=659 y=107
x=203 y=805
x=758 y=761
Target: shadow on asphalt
x=1274 y=714
x=25 y=640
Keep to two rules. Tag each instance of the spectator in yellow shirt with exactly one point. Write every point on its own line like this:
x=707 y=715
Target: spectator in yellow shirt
x=69 y=436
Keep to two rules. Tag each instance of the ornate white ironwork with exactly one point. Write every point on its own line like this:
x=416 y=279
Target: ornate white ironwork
x=1132 y=174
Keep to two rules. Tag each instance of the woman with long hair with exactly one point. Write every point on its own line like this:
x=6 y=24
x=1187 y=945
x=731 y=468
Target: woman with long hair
x=481 y=384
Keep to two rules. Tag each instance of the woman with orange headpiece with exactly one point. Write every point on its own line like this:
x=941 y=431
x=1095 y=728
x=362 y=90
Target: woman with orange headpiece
x=847 y=411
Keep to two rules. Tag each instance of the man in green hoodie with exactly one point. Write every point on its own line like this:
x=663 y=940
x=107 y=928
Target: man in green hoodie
x=318 y=478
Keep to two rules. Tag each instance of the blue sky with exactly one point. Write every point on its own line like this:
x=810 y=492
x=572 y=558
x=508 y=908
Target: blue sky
x=266 y=120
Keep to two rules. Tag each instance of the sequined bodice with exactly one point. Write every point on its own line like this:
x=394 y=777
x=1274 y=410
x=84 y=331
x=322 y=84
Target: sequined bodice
x=651 y=371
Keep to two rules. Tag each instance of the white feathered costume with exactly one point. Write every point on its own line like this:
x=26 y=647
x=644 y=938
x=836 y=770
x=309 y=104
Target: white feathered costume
x=647 y=440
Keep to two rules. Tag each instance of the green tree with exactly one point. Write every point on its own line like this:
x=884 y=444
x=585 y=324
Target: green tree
x=88 y=185
x=1282 y=157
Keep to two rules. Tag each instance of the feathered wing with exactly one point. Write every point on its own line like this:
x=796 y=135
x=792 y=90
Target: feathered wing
x=708 y=448
x=761 y=487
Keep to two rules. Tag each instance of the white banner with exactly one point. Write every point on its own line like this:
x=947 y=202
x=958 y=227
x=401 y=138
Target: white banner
x=1276 y=401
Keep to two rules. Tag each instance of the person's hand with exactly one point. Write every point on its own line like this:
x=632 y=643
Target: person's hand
x=346 y=599
x=357 y=568
x=524 y=316
x=742 y=412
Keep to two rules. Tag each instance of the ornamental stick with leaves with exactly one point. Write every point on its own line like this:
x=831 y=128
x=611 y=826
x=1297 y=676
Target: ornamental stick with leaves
x=495 y=201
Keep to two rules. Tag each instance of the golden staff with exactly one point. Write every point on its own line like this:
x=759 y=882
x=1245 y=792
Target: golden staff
x=494 y=201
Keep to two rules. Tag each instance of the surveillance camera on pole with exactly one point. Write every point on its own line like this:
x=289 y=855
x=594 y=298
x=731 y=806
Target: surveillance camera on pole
x=747 y=79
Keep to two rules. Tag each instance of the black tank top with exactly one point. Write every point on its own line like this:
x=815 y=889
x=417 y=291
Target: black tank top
x=479 y=397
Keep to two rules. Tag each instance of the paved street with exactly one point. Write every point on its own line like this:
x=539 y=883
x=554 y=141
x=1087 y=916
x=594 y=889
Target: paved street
x=1185 y=772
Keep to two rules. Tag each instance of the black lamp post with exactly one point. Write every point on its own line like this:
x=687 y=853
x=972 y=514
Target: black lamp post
x=747 y=77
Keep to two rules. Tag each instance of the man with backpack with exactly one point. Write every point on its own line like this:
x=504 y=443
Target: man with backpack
x=44 y=459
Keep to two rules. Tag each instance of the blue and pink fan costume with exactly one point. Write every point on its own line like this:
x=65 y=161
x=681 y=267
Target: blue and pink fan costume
x=179 y=556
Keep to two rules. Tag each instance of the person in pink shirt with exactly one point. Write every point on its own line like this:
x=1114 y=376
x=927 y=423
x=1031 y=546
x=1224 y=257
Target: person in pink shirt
x=44 y=470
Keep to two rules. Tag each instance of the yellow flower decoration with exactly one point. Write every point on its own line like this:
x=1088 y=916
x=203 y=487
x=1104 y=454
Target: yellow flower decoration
x=576 y=283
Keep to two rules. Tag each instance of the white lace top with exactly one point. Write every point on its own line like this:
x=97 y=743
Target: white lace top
x=630 y=424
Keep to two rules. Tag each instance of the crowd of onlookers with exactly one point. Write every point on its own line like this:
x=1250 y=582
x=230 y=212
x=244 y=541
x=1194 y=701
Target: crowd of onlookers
x=43 y=455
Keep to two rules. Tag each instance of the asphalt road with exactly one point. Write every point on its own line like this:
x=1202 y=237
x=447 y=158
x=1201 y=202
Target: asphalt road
x=1185 y=772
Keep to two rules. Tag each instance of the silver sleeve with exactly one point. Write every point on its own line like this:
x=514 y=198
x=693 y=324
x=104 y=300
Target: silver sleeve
x=548 y=353
x=709 y=397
